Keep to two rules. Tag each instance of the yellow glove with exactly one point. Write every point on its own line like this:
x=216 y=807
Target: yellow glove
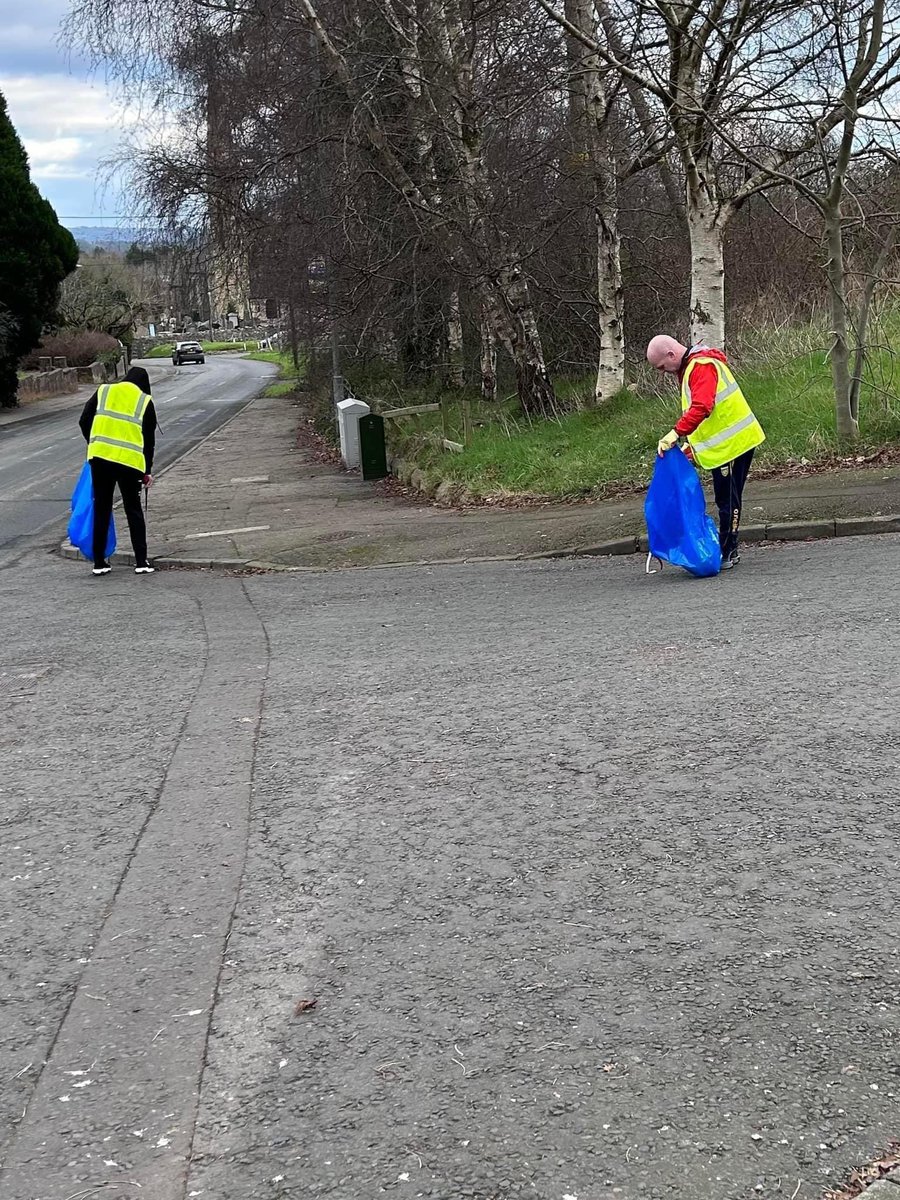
x=667 y=442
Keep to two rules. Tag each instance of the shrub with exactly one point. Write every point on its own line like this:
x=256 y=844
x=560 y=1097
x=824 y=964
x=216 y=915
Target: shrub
x=79 y=347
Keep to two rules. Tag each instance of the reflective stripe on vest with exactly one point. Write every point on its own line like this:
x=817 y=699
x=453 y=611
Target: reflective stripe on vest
x=718 y=438
x=731 y=429
x=117 y=430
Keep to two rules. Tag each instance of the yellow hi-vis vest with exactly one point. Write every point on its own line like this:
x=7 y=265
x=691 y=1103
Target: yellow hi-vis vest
x=731 y=429
x=116 y=431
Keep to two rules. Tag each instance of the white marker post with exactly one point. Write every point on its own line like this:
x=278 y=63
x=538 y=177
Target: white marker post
x=349 y=411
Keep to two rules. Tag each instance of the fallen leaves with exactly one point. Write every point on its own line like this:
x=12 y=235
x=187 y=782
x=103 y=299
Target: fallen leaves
x=861 y=1178
x=303 y=1006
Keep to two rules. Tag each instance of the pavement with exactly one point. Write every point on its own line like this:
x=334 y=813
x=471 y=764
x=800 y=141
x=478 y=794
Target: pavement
x=541 y=878
x=591 y=875
x=251 y=494
x=42 y=449
x=29 y=408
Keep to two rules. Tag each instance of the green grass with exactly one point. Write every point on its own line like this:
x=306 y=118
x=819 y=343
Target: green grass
x=281 y=357
x=208 y=348
x=593 y=452
x=289 y=376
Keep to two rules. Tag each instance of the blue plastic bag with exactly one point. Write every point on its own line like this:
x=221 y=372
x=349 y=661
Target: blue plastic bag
x=678 y=527
x=81 y=522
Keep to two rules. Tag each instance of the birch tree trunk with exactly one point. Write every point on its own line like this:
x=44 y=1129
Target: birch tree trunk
x=865 y=308
x=508 y=306
x=610 y=296
x=488 y=358
x=500 y=280
x=846 y=423
x=455 y=363
x=707 y=221
x=594 y=166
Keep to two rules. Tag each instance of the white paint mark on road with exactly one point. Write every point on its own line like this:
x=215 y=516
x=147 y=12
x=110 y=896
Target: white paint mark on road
x=226 y=532
x=250 y=479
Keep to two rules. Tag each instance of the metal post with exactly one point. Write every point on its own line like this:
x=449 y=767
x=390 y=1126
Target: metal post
x=337 y=373
x=337 y=388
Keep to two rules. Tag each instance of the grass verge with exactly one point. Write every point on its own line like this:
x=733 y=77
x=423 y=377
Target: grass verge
x=289 y=375
x=596 y=452
x=208 y=348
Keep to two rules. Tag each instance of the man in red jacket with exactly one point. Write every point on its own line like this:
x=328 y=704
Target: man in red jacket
x=726 y=442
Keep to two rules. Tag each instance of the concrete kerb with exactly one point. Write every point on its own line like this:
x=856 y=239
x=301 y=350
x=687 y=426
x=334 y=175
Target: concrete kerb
x=882 y=1189
x=784 y=531
x=776 y=531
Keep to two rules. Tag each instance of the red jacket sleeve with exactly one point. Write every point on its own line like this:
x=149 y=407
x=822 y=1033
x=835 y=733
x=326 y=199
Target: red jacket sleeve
x=702 y=382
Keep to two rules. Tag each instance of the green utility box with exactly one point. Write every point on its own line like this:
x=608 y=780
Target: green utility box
x=372 y=453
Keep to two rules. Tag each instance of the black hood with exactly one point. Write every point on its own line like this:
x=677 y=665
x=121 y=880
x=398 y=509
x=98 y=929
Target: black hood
x=139 y=377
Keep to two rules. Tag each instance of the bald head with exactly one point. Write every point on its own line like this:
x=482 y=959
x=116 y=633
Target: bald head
x=665 y=353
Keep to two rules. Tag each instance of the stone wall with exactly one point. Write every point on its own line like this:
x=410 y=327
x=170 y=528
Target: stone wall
x=245 y=333
x=57 y=382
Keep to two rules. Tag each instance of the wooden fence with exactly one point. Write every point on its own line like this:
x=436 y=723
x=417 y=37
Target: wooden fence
x=436 y=437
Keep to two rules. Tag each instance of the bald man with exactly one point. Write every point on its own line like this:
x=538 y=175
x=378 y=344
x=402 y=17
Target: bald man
x=721 y=431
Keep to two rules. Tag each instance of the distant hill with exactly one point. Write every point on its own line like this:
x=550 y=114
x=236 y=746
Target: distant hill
x=107 y=237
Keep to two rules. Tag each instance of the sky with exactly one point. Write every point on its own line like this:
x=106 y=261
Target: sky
x=66 y=116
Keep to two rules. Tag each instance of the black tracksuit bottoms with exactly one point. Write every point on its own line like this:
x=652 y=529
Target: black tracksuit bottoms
x=106 y=475
x=728 y=487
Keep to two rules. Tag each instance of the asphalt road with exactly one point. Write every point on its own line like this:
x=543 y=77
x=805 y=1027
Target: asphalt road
x=40 y=457
x=592 y=876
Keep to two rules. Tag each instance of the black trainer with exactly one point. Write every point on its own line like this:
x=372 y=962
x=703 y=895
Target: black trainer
x=731 y=561
x=144 y=569
x=101 y=568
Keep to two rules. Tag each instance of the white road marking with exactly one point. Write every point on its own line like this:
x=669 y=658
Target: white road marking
x=226 y=532
x=250 y=479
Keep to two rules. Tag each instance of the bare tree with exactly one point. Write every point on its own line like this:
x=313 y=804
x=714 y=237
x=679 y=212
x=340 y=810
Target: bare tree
x=593 y=173
x=429 y=182
x=845 y=120
x=728 y=66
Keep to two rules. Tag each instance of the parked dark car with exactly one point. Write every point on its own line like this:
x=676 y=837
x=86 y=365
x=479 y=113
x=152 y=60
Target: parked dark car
x=186 y=352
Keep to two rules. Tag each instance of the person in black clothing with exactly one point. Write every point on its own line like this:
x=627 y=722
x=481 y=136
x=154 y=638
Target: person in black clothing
x=106 y=473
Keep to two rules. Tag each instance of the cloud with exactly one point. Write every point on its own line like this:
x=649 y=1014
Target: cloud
x=31 y=39
x=69 y=124
x=69 y=127
x=53 y=148
x=57 y=158
x=35 y=58
x=56 y=105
